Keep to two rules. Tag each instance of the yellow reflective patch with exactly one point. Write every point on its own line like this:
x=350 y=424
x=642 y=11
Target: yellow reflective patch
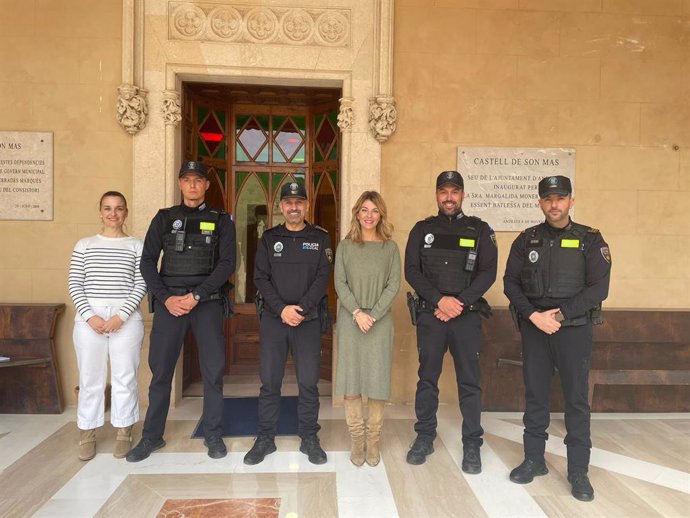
x=466 y=243
x=570 y=243
x=207 y=225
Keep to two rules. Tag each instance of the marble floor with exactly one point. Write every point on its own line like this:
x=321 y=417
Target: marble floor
x=640 y=468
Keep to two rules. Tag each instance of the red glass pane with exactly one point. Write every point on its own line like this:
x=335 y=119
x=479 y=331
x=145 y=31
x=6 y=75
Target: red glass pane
x=211 y=133
x=325 y=137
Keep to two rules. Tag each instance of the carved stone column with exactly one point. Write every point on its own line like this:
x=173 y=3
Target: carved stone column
x=382 y=112
x=131 y=108
x=171 y=109
x=346 y=116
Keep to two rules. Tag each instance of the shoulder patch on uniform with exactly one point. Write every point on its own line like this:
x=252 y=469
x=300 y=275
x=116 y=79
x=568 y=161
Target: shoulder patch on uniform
x=329 y=255
x=321 y=228
x=606 y=253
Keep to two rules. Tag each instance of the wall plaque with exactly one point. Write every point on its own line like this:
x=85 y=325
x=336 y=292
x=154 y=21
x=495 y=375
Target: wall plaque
x=501 y=182
x=26 y=175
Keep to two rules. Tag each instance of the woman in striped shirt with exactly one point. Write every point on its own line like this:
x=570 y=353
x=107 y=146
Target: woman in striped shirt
x=106 y=287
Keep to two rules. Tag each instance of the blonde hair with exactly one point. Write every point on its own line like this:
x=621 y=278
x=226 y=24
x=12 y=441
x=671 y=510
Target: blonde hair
x=384 y=229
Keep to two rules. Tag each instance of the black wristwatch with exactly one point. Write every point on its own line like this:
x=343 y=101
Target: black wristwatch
x=196 y=296
x=560 y=317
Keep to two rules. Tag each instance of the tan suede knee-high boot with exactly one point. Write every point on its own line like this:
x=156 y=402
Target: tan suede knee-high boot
x=123 y=442
x=374 y=425
x=355 y=423
x=87 y=444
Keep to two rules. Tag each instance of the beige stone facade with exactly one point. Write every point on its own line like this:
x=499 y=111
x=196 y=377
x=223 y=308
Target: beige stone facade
x=609 y=78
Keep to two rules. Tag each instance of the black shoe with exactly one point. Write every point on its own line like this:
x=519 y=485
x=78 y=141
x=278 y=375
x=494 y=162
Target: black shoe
x=421 y=447
x=145 y=448
x=471 y=459
x=262 y=447
x=216 y=447
x=582 y=489
x=311 y=448
x=525 y=472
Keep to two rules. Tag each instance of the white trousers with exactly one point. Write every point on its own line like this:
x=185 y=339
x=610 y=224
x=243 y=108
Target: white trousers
x=93 y=350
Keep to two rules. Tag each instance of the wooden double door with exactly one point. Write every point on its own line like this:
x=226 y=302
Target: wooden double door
x=254 y=140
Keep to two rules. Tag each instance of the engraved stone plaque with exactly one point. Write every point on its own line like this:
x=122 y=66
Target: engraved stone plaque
x=501 y=182
x=26 y=175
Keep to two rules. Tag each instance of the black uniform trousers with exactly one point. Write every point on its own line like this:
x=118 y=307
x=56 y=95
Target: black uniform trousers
x=167 y=336
x=569 y=350
x=304 y=341
x=462 y=336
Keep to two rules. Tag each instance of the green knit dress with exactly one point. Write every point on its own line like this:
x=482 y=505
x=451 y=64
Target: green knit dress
x=367 y=276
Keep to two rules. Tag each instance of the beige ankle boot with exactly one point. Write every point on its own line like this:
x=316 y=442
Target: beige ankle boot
x=355 y=423
x=87 y=444
x=123 y=442
x=374 y=425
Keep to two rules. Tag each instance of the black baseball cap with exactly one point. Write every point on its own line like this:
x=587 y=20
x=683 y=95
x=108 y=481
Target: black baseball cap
x=450 y=177
x=192 y=166
x=555 y=185
x=293 y=190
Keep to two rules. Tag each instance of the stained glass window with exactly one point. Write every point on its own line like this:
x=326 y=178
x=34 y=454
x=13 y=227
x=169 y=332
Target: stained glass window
x=251 y=143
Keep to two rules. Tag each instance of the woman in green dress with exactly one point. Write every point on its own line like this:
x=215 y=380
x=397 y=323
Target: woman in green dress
x=367 y=279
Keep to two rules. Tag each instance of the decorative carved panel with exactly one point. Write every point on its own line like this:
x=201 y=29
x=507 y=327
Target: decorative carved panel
x=263 y=24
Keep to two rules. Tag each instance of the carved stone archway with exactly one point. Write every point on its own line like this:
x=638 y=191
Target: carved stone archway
x=166 y=42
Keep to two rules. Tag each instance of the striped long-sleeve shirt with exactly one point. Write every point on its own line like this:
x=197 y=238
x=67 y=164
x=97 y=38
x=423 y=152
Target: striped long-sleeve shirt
x=104 y=271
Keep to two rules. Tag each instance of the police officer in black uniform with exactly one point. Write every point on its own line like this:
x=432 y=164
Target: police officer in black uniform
x=191 y=289
x=450 y=261
x=292 y=271
x=557 y=275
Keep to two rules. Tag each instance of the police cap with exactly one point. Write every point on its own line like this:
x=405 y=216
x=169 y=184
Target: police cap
x=555 y=185
x=450 y=177
x=192 y=166
x=293 y=190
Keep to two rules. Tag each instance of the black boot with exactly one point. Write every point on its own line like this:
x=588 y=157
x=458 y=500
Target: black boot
x=312 y=448
x=582 y=489
x=525 y=472
x=142 y=450
x=421 y=447
x=471 y=459
x=216 y=447
x=262 y=447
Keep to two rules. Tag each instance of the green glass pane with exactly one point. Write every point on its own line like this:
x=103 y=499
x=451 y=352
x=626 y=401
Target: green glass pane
x=240 y=121
x=278 y=122
x=299 y=156
x=240 y=155
x=299 y=178
x=221 y=150
x=201 y=148
x=201 y=115
x=277 y=182
x=301 y=123
x=317 y=154
x=263 y=121
x=333 y=117
x=334 y=152
x=222 y=176
x=263 y=156
x=317 y=177
x=264 y=179
x=221 y=118
x=239 y=178
x=317 y=121
x=334 y=178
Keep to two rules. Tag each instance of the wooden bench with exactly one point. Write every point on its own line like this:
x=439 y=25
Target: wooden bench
x=30 y=380
x=622 y=376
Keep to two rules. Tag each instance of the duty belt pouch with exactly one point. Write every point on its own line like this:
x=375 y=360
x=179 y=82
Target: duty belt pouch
x=412 y=303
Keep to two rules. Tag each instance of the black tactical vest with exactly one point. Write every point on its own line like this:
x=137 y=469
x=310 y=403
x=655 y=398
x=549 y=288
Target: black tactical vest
x=190 y=244
x=449 y=259
x=554 y=265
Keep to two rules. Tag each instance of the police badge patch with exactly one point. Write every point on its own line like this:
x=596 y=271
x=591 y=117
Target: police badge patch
x=278 y=247
x=606 y=254
x=428 y=239
x=177 y=224
x=329 y=255
x=533 y=256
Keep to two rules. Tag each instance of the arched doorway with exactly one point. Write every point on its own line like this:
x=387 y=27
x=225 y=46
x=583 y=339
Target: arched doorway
x=255 y=138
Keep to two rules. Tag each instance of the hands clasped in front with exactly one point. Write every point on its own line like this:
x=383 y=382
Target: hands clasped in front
x=178 y=305
x=101 y=326
x=363 y=320
x=291 y=315
x=448 y=308
x=546 y=320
